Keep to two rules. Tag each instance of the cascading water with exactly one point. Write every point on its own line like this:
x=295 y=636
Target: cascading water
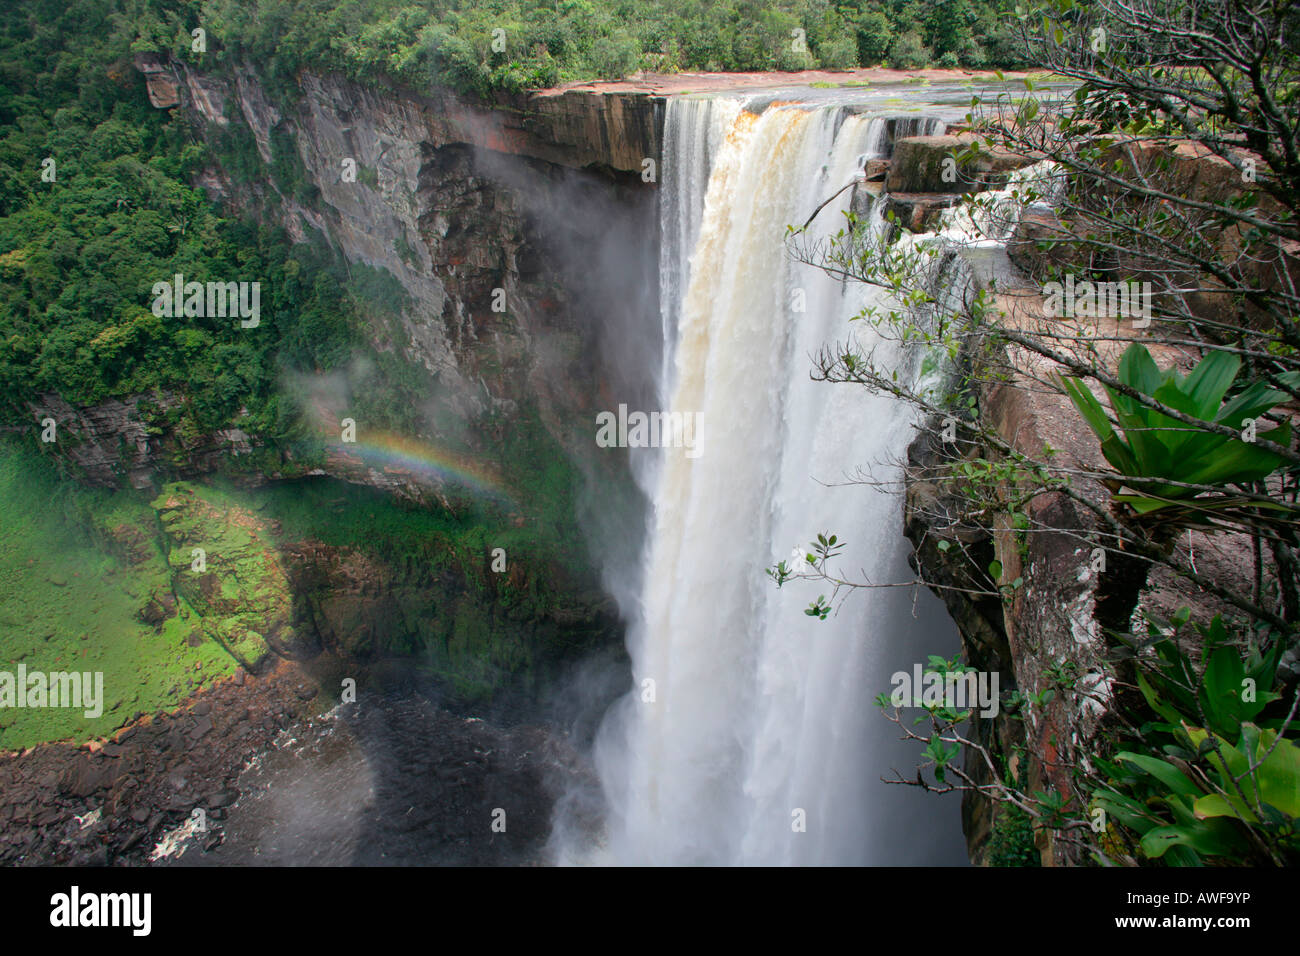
x=747 y=715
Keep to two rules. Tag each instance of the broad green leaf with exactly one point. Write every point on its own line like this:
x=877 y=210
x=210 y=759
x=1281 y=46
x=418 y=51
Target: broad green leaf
x=1211 y=837
x=1127 y=811
x=1156 y=704
x=1185 y=441
x=1114 y=449
x=1217 y=805
x=1151 y=455
x=1279 y=773
x=1166 y=773
x=1138 y=369
x=1237 y=461
x=1156 y=842
x=1088 y=406
x=1221 y=690
x=1252 y=402
x=1209 y=382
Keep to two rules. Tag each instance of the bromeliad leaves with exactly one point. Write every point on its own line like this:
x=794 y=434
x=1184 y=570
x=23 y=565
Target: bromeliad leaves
x=1214 y=773
x=1159 y=457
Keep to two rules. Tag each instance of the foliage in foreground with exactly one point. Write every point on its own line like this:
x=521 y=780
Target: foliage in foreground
x=1155 y=449
x=1213 y=772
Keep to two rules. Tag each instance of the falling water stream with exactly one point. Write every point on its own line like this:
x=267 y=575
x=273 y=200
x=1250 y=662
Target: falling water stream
x=751 y=736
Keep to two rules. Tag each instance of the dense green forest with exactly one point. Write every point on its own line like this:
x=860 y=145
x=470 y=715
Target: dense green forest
x=477 y=46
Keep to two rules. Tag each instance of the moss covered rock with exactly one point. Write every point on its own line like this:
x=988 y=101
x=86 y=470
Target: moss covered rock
x=223 y=563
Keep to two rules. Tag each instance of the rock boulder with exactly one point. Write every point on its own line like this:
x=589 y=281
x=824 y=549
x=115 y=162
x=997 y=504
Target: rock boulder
x=919 y=166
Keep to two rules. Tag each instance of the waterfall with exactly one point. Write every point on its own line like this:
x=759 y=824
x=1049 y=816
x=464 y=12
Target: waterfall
x=693 y=133
x=747 y=713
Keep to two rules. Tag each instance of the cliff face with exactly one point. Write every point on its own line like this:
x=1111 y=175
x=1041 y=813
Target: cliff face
x=483 y=217
x=1047 y=638
x=1040 y=637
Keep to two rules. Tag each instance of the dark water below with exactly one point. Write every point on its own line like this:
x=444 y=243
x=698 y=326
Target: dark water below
x=398 y=781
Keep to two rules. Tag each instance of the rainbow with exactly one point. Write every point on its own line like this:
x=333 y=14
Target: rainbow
x=398 y=452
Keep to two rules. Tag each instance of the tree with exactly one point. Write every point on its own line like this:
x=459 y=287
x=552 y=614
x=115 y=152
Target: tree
x=948 y=26
x=874 y=37
x=840 y=53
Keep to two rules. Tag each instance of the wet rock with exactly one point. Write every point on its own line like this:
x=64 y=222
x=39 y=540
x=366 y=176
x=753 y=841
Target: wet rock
x=875 y=170
x=919 y=212
x=220 y=798
x=87 y=776
x=920 y=165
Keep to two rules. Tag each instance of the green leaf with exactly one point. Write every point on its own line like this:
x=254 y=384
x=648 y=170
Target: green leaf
x=1166 y=773
x=1221 y=690
x=1217 y=805
x=1165 y=710
x=1251 y=402
x=1279 y=774
x=1155 y=843
x=1088 y=406
x=1115 y=450
x=1138 y=369
x=1128 y=811
x=1208 y=838
x=1209 y=382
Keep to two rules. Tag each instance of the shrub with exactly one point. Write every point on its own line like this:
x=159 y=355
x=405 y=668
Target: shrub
x=615 y=56
x=908 y=52
x=1012 y=841
x=1212 y=774
x=840 y=53
x=451 y=60
x=1155 y=447
x=972 y=54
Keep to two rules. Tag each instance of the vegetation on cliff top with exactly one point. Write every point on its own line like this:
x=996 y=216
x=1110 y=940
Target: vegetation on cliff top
x=476 y=47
